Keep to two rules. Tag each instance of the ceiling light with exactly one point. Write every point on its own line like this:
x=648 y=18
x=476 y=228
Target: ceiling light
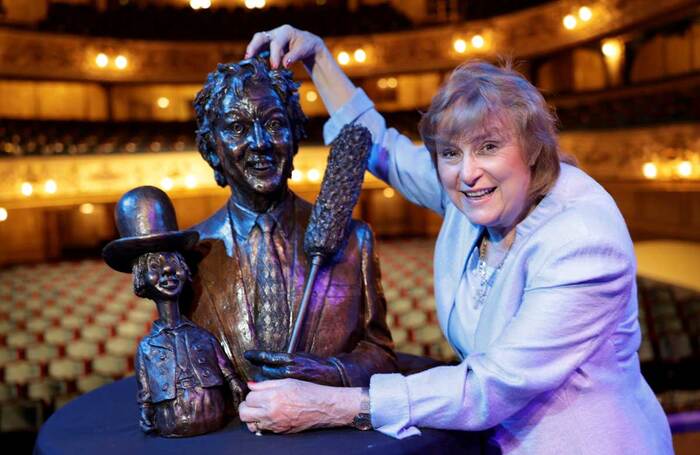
x=343 y=58
x=460 y=46
x=163 y=102
x=478 y=41
x=569 y=22
x=101 y=60
x=360 y=55
x=585 y=13
x=650 y=170
x=121 y=62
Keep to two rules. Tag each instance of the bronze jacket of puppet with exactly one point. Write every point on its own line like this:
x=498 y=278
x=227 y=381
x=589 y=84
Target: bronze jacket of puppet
x=156 y=363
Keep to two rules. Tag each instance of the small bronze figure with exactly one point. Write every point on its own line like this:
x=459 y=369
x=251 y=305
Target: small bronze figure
x=250 y=281
x=184 y=379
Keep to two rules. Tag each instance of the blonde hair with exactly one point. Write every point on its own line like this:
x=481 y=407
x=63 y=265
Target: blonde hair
x=478 y=92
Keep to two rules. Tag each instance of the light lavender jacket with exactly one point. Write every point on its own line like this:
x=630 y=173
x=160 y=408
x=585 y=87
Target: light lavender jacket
x=555 y=367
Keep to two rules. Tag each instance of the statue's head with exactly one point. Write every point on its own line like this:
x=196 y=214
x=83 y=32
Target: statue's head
x=160 y=275
x=250 y=123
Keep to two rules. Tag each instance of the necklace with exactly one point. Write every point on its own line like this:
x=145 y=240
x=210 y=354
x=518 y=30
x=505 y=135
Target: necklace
x=485 y=279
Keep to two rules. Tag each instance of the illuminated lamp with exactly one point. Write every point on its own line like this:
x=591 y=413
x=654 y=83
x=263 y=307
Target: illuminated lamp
x=460 y=46
x=163 y=102
x=343 y=58
x=569 y=22
x=190 y=181
x=101 y=60
x=87 y=208
x=650 y=170
x=297 y=175
x=585 y=13
x=612 y=49
x=388 y=193
x=3 y=214
x=50 y=186
x=685 y=168
x=313 y=175
x=167 y=183
x=382 y=84
x=360 y=55
x=311 y=96
x=121 y=62
x=392 y=82
x=478 y=41
x=26 y=189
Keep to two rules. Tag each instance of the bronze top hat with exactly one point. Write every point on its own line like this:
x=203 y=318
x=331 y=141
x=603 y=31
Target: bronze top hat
x=146 y=222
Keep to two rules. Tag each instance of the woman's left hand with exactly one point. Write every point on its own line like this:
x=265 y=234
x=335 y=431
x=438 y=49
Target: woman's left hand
x=290 y=406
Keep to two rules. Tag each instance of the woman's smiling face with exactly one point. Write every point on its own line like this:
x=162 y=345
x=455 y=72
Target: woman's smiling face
x=486 y=175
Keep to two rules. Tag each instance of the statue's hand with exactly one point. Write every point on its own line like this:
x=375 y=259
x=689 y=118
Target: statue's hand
x=238 y=390
x=303 y=366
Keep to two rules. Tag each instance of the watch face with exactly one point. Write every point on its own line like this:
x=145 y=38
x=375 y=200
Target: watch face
x=362 y=422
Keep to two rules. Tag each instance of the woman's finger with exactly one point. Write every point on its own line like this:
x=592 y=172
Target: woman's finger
x=280 y=38
x=259 y=42
x=249 y=413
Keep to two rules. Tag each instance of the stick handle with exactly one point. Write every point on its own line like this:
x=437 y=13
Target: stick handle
x=308 y=288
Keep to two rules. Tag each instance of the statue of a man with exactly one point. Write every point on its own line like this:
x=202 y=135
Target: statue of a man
x=249 y=284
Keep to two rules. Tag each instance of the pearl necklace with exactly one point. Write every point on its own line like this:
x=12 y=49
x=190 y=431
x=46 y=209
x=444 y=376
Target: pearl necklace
x=485 y=281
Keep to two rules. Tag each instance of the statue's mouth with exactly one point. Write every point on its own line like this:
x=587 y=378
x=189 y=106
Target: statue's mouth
x=169 y=284
x=260 y=164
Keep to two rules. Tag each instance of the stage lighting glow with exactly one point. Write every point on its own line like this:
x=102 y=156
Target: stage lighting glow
x=313 y=175
x=381 y=83
x=388 y=193
x=163 y=102
x=50 y=186
x=360 y=55
x=167 y=184
x=3 y=214
x=612 y=48
x=460 y=46
x=190 y=181
x=569 y=22
x=392 y=82
x=311 y=96
x=101 y=60
x=121 y=62
x=200 y=4
x=585 y=13
x=26 y=189
x=650 y=170
x=87 y=208
x=252 y=4
x=685 y=168
x=478 y=41
x=343 y=58
x=297 y=175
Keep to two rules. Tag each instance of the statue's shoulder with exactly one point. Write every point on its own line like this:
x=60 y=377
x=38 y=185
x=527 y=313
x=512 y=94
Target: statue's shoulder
x=214 y=227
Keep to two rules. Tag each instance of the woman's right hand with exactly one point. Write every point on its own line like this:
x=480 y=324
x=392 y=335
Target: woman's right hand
x=287 y=45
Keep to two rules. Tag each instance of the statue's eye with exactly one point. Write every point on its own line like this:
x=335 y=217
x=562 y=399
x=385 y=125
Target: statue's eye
x=238 y=128
x=274 y=124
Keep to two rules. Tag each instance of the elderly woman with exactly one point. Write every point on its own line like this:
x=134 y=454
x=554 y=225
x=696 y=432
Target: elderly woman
x=534 y=277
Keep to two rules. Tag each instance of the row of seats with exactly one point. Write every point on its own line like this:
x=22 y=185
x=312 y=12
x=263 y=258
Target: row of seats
x=332 y=18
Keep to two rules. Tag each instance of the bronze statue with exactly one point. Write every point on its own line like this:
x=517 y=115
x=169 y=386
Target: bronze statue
x=184 y=379
x=250 y=279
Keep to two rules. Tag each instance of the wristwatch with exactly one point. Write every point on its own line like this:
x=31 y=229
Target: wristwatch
x=363 y=420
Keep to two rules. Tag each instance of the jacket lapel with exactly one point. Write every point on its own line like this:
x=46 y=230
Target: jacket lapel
x=457 y=238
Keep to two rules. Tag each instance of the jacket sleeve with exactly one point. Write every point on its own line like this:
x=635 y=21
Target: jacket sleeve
x=375 y=352
x=405 y=166
x=570 y=306
x=143 y=393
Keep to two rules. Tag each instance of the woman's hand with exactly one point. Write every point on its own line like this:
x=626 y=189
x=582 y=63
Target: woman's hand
x=290 y=406
x=287 y=45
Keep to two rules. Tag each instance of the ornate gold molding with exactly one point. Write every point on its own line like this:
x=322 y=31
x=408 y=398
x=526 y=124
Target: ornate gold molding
x=104 y=178
x=526 y=33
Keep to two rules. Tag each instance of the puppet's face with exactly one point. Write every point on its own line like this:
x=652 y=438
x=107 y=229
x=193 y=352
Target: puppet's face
x=165 y=275
x=254 y=141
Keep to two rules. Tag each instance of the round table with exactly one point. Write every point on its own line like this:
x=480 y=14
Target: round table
x=105 y=421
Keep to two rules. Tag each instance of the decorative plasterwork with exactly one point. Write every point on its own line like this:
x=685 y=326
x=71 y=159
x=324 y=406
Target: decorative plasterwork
x=530 y=32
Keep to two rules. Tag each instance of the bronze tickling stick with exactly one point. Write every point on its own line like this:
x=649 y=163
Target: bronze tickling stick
x=328 y=228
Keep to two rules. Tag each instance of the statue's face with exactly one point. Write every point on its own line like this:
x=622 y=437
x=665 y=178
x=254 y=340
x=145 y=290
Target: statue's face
x=254 y=141
x=165 y=276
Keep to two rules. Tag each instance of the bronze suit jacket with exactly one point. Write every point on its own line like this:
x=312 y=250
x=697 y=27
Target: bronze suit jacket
x=346 y=319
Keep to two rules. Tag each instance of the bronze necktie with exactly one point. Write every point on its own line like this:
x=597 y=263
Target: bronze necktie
x=271 y=310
